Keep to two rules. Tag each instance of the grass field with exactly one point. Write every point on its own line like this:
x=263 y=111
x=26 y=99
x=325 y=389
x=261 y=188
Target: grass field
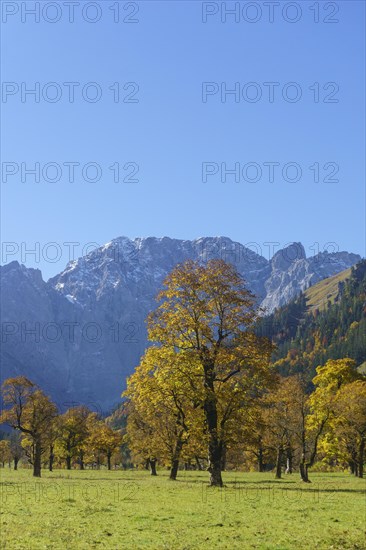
x=326 y=290
x=131 y=510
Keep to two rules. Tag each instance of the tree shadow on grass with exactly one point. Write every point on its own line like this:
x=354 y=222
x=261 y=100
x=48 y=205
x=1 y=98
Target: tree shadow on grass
x=95 y=479
x=264 y=482
x=328 y=490
x=303 y=487
x=283 y=484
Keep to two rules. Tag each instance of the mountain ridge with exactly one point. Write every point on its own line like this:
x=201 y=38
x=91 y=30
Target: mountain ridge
x=88 y=321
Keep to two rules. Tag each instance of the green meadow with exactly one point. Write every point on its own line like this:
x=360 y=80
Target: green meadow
x=67 y=510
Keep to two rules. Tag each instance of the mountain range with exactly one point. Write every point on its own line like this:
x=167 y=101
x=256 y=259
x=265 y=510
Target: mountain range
x=81 y=333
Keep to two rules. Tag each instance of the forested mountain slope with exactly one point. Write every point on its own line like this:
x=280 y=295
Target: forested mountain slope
x=327 y=321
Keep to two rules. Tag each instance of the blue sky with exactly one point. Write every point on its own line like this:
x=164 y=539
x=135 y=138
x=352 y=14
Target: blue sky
x=170 y=132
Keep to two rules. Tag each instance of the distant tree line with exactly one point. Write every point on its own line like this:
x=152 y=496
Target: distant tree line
x=43 y=436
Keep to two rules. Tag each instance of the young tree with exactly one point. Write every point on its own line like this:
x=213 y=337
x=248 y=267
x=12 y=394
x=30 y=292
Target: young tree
x=72 y=434
x=51 y=437
x=308 y=427
x=317 y=411
x=350 y=422
x=255 y=442
x=5 y=452
x=167 y=413
x=139 y=437
x=30 y=412
x=16 y=448
x=102 y=439
x=280 y=416
x=205 y=316
x=322 y=405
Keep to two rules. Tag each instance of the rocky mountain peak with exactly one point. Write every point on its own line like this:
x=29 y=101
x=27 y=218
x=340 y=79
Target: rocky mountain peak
x=290 y=254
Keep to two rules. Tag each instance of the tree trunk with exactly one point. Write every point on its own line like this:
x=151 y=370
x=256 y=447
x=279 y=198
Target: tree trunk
x=175 y=459
x=174 y=469
x=304 y=472
x=199 y=465
x=289 y=458
x=214 y=444
x=81 y=460
x=37 y=459
x=68 y=462
x=16 y=460
x=278 y=463
x=304 y=466
x=223 y=458
x=215 y=471
x=147 y=464
x=153 y=466
x=260 y=459
x=50 y=459
x=354 y=463
x=361 y=456
x=109 y=460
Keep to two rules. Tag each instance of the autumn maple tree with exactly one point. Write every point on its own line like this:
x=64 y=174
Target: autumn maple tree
x=318 y=411
x=205 y=318
x=341 y=390
x=350 y=422
x=164 y=420
x=31 y=412
x=72 y=435
x=16 y=448
x=102 y=439
x=5 y=452
x=280 y=415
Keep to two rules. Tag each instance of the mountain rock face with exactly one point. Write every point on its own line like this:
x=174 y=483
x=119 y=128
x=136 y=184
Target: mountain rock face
x=291 y=272
x=80 y=334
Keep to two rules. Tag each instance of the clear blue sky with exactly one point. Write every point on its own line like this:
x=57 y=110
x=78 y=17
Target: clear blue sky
x=170 y=132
